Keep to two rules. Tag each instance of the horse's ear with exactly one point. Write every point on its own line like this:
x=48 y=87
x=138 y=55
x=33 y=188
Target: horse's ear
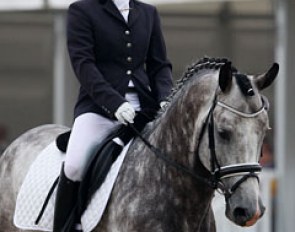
x=264 y=80
x=225 y=77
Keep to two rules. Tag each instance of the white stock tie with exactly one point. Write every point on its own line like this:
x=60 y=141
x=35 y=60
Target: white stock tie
x=123 y=6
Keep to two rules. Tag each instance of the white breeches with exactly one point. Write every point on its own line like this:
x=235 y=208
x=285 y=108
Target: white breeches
x=88 y=131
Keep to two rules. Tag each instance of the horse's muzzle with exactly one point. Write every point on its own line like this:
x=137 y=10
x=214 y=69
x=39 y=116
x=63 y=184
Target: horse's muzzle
x=244 y=212
x=245 y=217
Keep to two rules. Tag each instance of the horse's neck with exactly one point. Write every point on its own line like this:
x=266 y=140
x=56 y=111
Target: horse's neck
x=152 y=186
x=175 y=133
x=170 y=194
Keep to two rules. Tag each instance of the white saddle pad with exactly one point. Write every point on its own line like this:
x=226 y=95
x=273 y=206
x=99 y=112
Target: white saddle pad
x=38 y=182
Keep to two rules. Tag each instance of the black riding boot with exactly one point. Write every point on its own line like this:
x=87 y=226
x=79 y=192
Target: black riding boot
x=65 y=204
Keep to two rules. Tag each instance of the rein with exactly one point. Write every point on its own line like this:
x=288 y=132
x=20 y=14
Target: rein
x=172 y=163
x=217 y=173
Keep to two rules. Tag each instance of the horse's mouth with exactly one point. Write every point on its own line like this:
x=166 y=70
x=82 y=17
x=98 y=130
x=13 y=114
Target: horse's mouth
x=253 y=220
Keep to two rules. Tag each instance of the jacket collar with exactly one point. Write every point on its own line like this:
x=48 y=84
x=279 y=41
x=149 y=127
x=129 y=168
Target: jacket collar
x=110 y=7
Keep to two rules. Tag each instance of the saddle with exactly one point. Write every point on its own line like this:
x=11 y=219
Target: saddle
x=99 y=165
x=108 y=151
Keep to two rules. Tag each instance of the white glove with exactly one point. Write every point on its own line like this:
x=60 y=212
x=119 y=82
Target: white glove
x=163 y=104
x=125 y=113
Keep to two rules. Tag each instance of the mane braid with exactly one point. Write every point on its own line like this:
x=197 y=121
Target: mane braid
x=205 y=63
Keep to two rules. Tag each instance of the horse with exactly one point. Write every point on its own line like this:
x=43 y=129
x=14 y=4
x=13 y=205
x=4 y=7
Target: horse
x=209 y=137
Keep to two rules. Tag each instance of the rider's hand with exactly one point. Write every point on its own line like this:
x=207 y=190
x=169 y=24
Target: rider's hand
x=125 y=113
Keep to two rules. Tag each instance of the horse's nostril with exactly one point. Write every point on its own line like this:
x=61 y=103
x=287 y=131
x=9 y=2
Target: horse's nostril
x=240 y=213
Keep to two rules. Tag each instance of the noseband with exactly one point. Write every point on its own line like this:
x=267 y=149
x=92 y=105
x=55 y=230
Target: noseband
x=214 y=177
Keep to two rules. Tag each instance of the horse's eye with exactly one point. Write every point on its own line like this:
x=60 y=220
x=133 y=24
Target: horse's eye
x=224 y=134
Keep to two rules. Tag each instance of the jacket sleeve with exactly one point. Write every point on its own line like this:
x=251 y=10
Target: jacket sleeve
x=159 y=69
x=81 y=45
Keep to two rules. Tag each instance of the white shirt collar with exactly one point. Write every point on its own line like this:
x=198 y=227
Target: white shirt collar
x=122 y=4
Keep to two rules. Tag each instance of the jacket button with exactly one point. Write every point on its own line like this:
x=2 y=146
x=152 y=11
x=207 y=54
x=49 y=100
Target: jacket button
x=129 y=59
x=129 y=45
x=129 y=72
x=127 y=32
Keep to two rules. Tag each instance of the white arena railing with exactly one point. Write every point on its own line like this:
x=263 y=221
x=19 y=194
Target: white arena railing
x=267 y=180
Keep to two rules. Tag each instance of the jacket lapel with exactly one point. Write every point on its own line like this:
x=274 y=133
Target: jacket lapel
x=110 y=7
x=133 y=13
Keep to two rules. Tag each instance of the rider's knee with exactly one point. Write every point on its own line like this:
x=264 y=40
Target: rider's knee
x=73 y=173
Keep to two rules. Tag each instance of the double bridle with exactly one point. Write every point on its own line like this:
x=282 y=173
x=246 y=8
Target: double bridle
x=213 y=178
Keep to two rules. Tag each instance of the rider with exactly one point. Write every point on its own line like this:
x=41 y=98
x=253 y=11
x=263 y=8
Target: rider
x=118 y=54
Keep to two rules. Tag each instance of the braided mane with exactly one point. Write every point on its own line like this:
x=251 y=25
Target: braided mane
x=208 y=63
x=205 y=63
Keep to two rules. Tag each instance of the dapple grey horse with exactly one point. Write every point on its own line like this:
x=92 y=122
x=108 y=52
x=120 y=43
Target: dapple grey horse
x=209 y=137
